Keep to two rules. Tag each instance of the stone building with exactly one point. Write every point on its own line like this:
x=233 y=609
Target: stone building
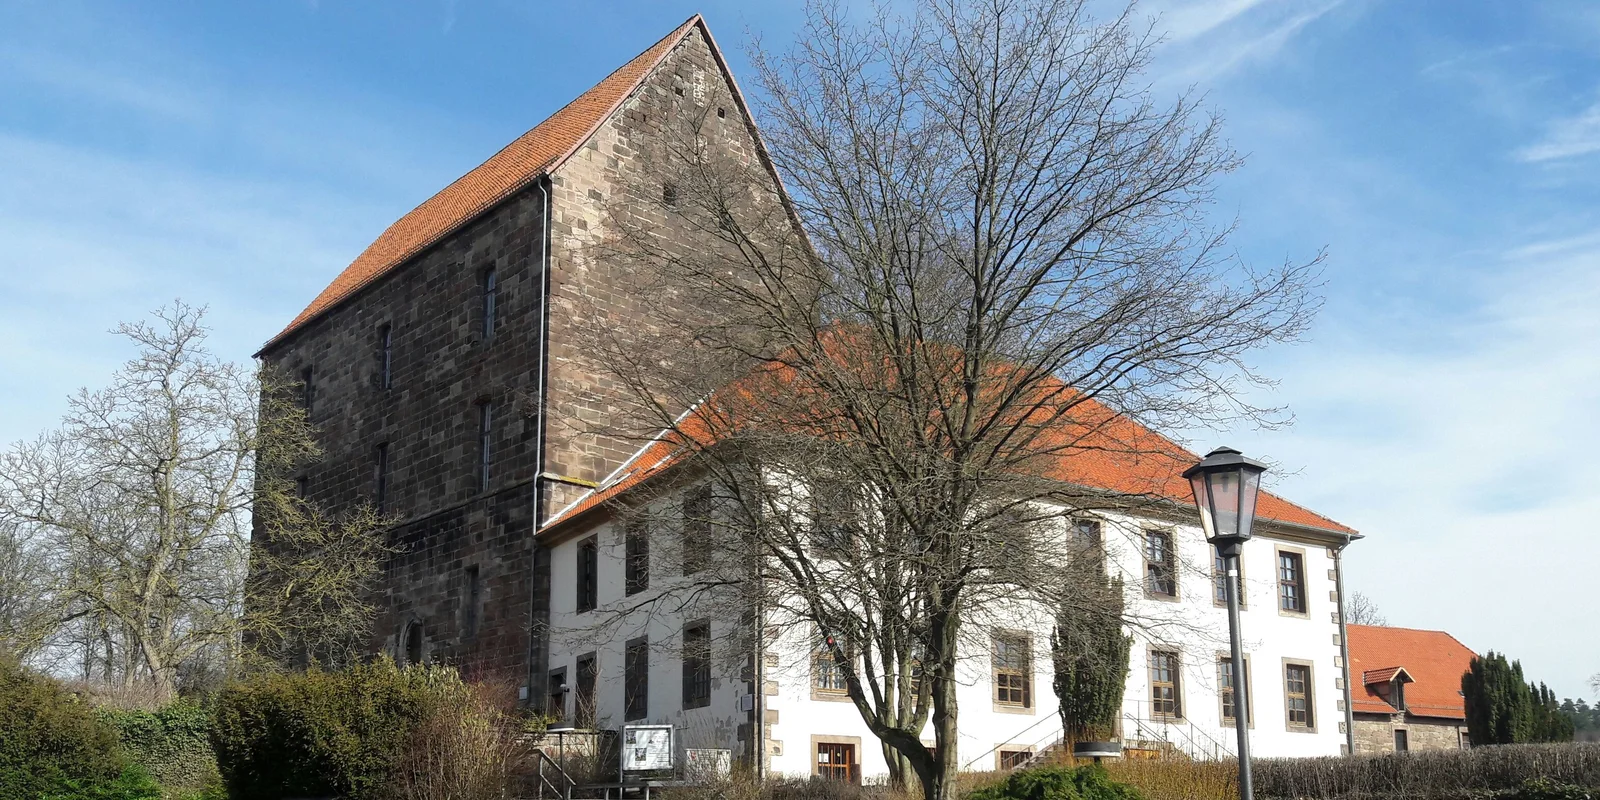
x=450 y=372
x=1407 y=693
x=447 y=367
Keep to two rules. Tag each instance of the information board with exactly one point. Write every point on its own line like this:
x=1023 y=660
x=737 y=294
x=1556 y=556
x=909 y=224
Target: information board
x=646 y=748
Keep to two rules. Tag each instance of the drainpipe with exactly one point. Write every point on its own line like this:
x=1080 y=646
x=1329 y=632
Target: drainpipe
x=538 y=499
x=1344 y=648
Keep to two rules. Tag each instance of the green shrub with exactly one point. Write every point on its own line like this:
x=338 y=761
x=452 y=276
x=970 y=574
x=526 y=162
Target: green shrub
x=133 y=783
x=172 y=743
x=50 y=741
x=316 y=734
x=1058 y=783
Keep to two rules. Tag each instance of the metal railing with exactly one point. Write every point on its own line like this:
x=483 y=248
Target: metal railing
x=1182 y=734
x=563 y=789
x=1045 y=729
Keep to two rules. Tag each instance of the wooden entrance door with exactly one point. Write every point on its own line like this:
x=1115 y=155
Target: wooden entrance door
x=837 y=762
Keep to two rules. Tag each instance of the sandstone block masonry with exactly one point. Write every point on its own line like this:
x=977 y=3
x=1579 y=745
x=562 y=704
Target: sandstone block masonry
x=470 y=586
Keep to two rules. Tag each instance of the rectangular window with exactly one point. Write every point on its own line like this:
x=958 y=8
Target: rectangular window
x=1297 y=695
x=836 y=762
x=1086 y=536
x=1160 y=565
x=485 y=443
x=1402 y=742
x=469 y=616
x=835 y=517
x=385 y=357
x=1219 y=579
x=302 y=487
x=307 y=393
x=588 y=574
x=491 y=297
x=636 y=680
x=697 y=665
x=827 y=678
x=697 y=529
x=555 y=705
x=1291 y=582
x=1166 y=701
x=1227 y=688
x=380 y=469
x=1013 y=670
x=1014 y=759
x=583 y=696
x=636 y=557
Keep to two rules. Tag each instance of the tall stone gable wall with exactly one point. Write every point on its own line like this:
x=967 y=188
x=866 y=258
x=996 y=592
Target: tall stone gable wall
x=589 y=294
x=442 y=369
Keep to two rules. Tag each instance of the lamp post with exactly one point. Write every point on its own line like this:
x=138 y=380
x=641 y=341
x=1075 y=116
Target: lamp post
x=1225 y=486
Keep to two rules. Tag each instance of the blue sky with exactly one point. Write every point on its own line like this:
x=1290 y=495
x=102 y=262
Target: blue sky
x=1446 y=153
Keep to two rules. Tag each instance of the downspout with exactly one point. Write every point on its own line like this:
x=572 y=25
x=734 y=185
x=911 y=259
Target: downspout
x=535 y=586
x=1344 y=648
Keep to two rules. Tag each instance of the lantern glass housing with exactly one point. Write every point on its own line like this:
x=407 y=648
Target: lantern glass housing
x=1225 y=486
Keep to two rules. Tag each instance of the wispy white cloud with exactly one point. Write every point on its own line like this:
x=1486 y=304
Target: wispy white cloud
x=1182 y=21
x=1566 y=138
x=1208 y=40
x=1466 y=457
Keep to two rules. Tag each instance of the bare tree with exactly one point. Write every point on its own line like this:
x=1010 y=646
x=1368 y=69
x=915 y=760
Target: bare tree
x=1360 y=610
x=992 y=257
x=140 y=504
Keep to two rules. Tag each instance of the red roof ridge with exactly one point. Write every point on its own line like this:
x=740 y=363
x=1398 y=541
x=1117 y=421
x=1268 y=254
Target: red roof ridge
x=539 y=151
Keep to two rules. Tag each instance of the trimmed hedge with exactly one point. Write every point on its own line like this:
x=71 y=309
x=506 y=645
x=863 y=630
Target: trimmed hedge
x=172 y=743
x=51 y=742
x=1057 y=783
x=1509 y=770
x=319 y=734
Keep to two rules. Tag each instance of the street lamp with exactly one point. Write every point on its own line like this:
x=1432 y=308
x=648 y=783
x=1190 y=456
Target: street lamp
x=1225 y=486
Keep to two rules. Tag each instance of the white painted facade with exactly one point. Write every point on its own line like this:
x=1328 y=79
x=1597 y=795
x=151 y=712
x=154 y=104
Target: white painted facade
x=1194 y=626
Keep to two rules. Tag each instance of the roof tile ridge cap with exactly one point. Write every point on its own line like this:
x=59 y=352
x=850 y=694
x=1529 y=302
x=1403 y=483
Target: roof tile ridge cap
x=545 y=168
x=676 y=37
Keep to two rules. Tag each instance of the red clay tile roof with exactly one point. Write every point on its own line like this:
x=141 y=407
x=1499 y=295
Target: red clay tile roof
x=1373 y=677
x=1140 y=462
x=1433 y=659
x=532 y=155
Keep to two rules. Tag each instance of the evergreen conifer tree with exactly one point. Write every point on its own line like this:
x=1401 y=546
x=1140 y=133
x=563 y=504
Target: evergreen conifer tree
x=1091 y=655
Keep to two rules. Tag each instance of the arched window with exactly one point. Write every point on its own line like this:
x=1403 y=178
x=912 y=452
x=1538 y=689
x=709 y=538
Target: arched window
x=414 y=643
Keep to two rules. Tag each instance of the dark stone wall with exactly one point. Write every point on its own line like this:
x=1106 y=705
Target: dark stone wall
x=442 y=369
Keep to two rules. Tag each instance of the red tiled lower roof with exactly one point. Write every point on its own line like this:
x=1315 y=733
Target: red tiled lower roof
x=1108 y=452
x=1434 y=660
x=516 y=166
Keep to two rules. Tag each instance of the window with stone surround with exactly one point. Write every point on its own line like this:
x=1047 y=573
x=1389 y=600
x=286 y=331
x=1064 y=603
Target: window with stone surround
x=1160 y=565
x=1012 y=662
x=1297 y=697
x=1166 y=699
x=1291 y=582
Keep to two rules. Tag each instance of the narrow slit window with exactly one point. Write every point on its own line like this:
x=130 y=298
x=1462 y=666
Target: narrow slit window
x=485 y=443
x=385 y=357
x=474 y=600
x=307 y=392
x=380 y=469
x=491 y=300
